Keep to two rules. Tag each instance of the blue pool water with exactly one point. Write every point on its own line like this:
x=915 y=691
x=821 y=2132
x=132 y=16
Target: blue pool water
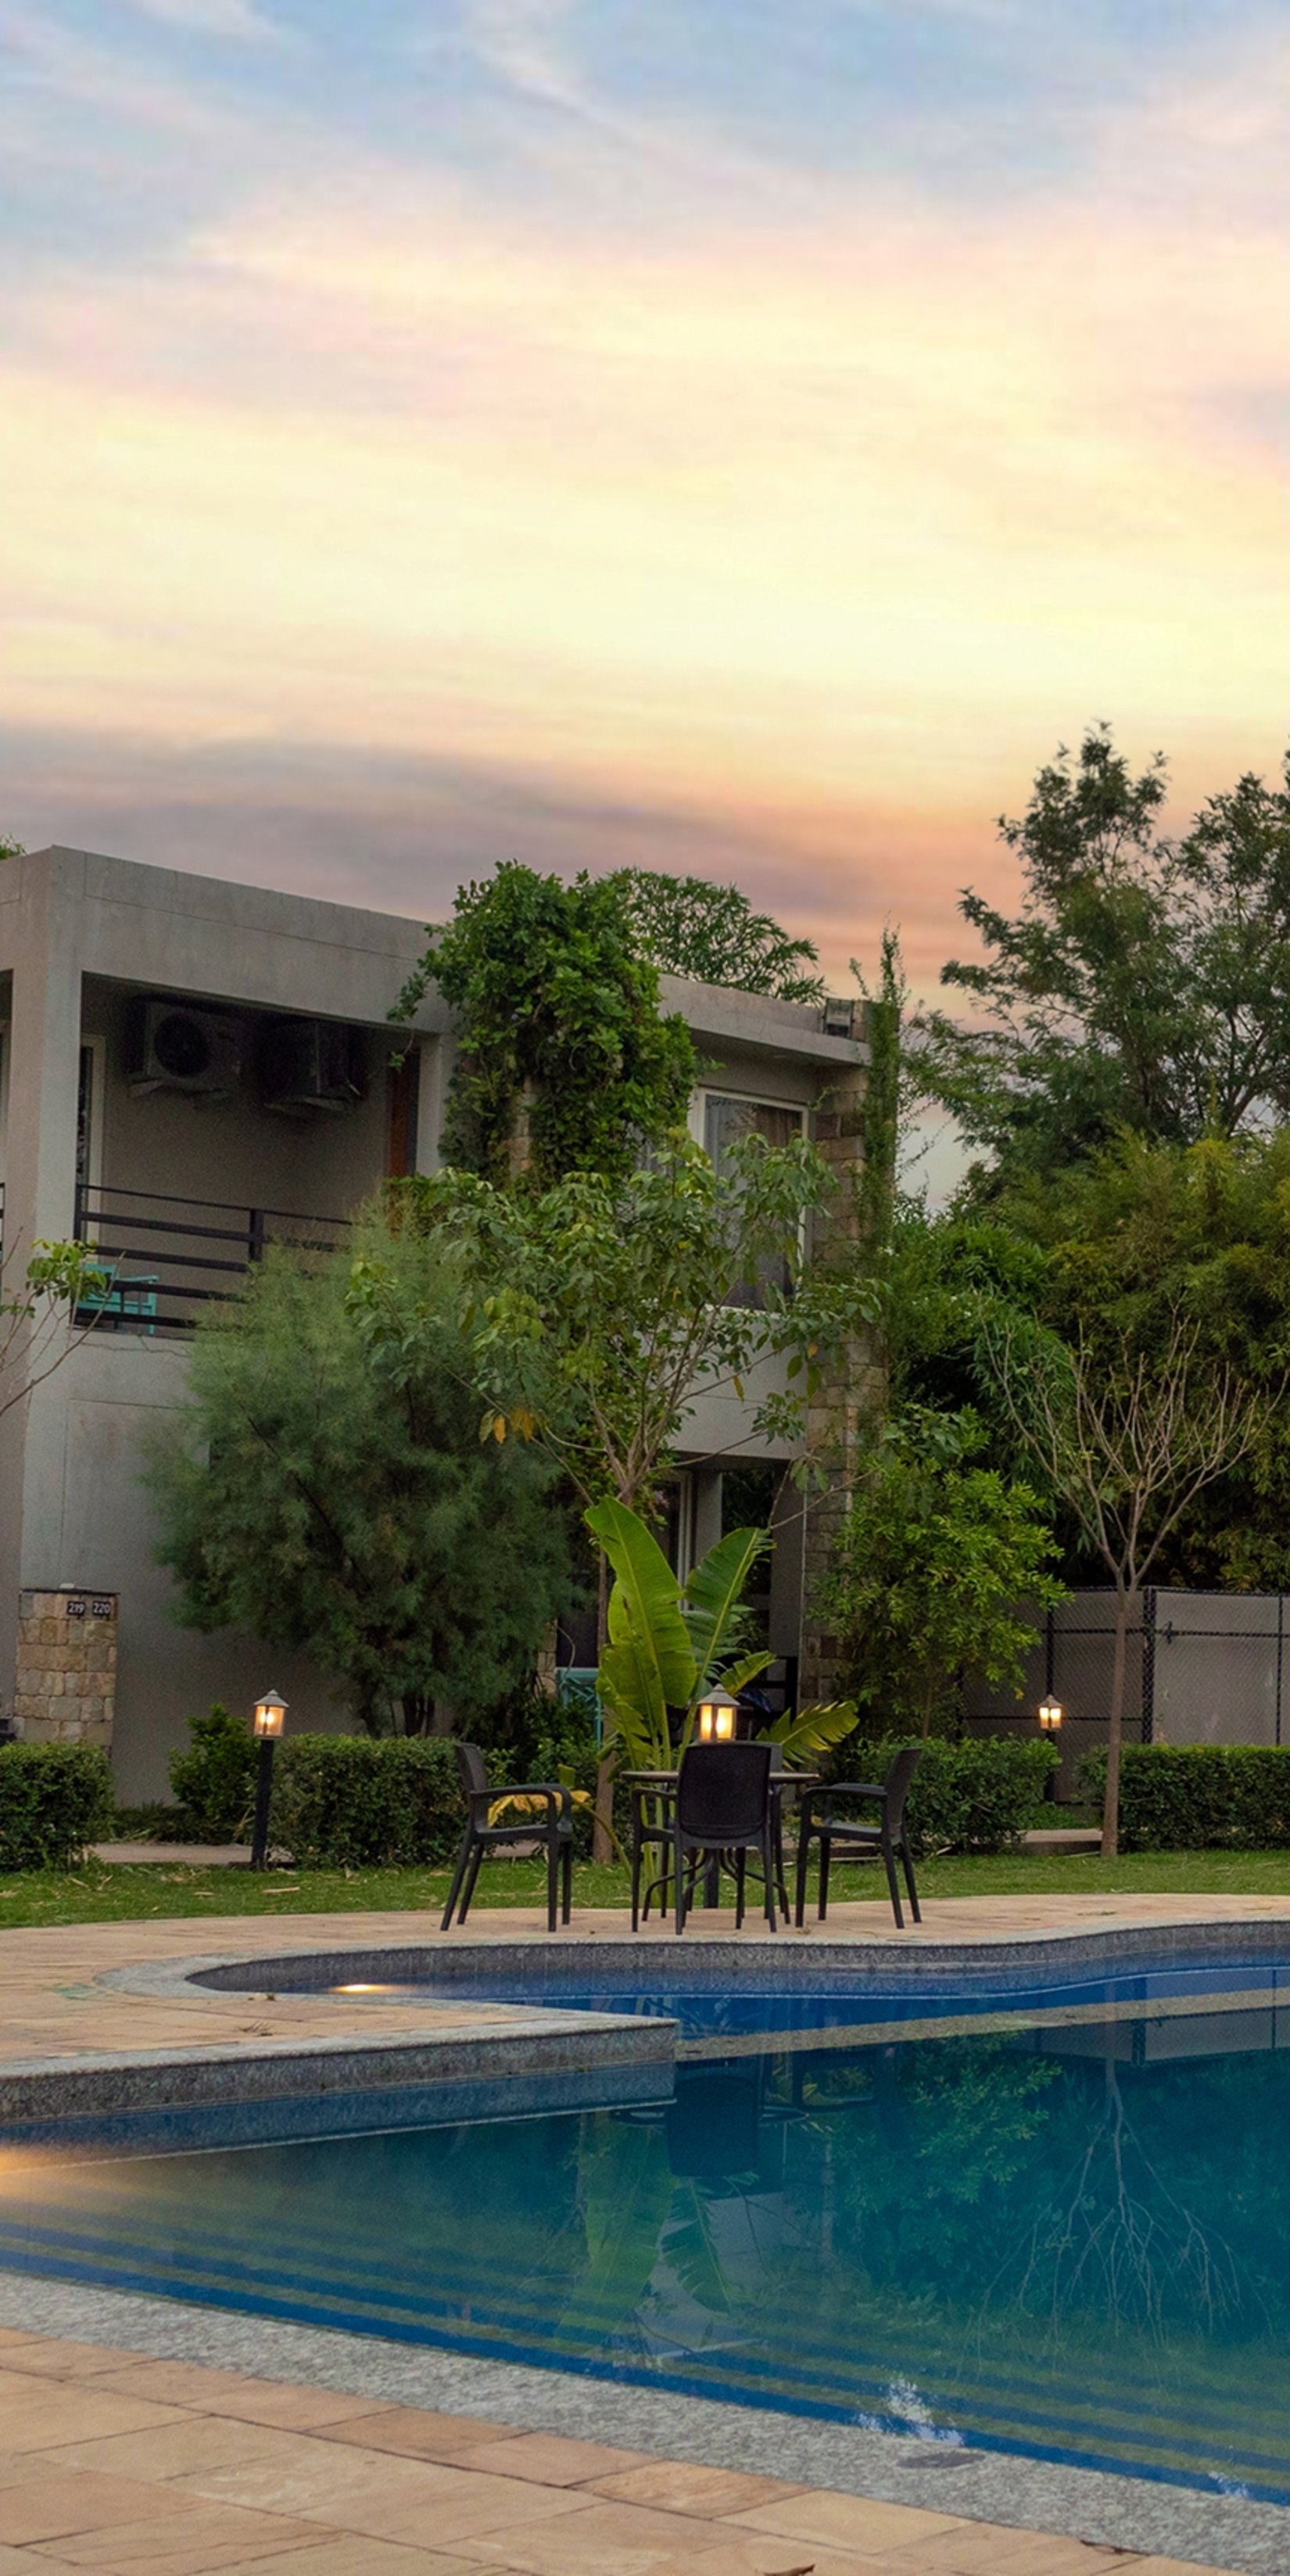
x=1069 y=2238
x=848 y=2000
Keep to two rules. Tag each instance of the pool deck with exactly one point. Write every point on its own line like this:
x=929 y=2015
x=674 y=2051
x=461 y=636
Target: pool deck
x=127 y=2464
x=137 y=2436
x=55 y=2006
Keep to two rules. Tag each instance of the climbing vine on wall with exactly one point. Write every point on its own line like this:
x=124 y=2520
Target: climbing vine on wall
x=559 y=1023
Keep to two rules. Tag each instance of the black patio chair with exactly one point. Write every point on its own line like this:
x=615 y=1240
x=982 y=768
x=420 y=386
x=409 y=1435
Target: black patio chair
x=723 y=1806
x=886 y=1841
x=554 y=1828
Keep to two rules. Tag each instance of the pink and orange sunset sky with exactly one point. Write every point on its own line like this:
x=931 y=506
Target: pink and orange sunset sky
x=740 y=436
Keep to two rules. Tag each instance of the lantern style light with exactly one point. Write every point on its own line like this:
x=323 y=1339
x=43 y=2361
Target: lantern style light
x=1050 y=1715
x=717 y=1716
x=270 y=1710
x=269 y=1714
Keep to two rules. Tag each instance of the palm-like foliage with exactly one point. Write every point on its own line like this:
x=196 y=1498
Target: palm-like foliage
x=670 y=1643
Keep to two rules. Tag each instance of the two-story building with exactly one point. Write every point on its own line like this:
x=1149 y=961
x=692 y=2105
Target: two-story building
x=188 y=1070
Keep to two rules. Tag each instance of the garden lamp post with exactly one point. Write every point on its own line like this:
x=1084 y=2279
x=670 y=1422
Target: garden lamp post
x=1050 y=1718
x=270 y=1711
x=718 y=1713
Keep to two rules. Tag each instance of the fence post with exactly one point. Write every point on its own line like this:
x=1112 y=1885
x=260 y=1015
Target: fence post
x=1148 y=1663
x=1281 y=1652
x=255 y=1234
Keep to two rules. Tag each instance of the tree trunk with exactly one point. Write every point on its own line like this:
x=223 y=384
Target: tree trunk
x=602 y=1847
x=1125 y=1602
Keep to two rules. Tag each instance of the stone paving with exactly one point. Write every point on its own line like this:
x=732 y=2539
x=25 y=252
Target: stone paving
x=52 y=2005
x=166 y=2468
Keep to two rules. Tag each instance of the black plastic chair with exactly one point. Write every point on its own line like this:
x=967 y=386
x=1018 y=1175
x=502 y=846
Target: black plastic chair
x=554 y=1828
x=723 y=1805
x=886 y=1841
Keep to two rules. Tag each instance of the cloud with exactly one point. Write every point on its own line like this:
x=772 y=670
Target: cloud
x=524 y=43
x=233 y=18
x=785 y=523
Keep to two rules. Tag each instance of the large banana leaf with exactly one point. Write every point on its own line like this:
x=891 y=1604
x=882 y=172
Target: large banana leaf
x=811 y=1730
x=714 y=1596
x=648 y=1664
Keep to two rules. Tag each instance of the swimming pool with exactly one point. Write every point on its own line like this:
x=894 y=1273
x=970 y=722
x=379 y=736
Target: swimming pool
x=1069 y=2237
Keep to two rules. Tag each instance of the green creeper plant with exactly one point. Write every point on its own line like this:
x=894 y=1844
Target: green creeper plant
x=710 y=933
x=566 y=1063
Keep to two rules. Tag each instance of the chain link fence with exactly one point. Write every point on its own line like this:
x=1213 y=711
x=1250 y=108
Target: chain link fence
x=1202 y=1668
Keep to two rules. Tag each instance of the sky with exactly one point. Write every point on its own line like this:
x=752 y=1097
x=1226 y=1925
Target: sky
x=743 y=437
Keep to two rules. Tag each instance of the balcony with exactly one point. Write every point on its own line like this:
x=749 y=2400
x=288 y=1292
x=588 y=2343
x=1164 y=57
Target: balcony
x=167 y=1257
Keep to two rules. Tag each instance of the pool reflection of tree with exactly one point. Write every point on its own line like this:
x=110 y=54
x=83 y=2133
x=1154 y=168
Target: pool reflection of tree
x=974 y=2216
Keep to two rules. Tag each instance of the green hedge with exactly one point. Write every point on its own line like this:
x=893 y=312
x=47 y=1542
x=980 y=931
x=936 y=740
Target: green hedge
x=363 y=1802
x=54 y=1799
x=1199 y=1797
x=973 y=1796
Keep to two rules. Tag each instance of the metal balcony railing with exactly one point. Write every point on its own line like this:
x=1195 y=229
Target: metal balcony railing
x=168 y=1257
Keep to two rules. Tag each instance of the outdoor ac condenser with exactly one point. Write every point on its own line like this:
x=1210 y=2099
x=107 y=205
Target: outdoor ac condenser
x=170 y=1046
x=311 y=1065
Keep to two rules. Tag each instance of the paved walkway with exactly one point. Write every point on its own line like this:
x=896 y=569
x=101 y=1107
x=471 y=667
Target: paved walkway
x=163 y=2468
x=52 y=2004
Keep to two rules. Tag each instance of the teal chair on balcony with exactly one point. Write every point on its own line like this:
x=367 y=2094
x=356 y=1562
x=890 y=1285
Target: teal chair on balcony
x=123 y=1301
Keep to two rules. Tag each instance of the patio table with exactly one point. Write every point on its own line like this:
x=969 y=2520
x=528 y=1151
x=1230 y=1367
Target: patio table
x=662 y=1784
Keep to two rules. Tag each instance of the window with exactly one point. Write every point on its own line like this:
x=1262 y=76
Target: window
x=726 y=1118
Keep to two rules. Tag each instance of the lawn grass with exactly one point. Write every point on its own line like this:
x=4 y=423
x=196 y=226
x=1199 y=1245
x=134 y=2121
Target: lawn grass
x=101 y=1893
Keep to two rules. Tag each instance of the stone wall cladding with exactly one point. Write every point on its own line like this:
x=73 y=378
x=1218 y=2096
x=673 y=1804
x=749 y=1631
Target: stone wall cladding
x=66 y=1676
x=839 y=1412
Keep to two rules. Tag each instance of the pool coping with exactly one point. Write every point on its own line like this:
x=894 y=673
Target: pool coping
x=524 y=2036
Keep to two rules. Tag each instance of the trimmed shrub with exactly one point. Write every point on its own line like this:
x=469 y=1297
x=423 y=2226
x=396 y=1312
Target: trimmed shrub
x=54 y=1799
x=973 y=1796
x=1198 y=1797
x=363 y=1802
x=214 y=1780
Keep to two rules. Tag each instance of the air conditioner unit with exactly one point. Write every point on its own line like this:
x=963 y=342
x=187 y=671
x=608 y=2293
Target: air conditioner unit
x=311 y=1065
x=173 y=1047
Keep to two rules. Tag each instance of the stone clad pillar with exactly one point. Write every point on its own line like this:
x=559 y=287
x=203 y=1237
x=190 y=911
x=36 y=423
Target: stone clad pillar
x=66 y=1679
x=842 y=1408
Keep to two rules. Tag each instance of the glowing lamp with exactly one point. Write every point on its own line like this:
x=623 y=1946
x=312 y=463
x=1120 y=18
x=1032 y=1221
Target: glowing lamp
x=1050 y=1715
x=269 y=1714
x=717 y=1716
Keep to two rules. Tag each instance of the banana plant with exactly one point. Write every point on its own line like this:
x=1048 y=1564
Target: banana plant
x=669 y=1642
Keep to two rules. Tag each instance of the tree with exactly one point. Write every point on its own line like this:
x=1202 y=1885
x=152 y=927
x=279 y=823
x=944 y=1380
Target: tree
x=711 y=934
x=325 y=1490
x=600 y=1313
x=933 y=1559
x=1141 y=1234
x=566 y=1064
x=1128 y=1439
x=1145 y=984
x=38 y=1318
